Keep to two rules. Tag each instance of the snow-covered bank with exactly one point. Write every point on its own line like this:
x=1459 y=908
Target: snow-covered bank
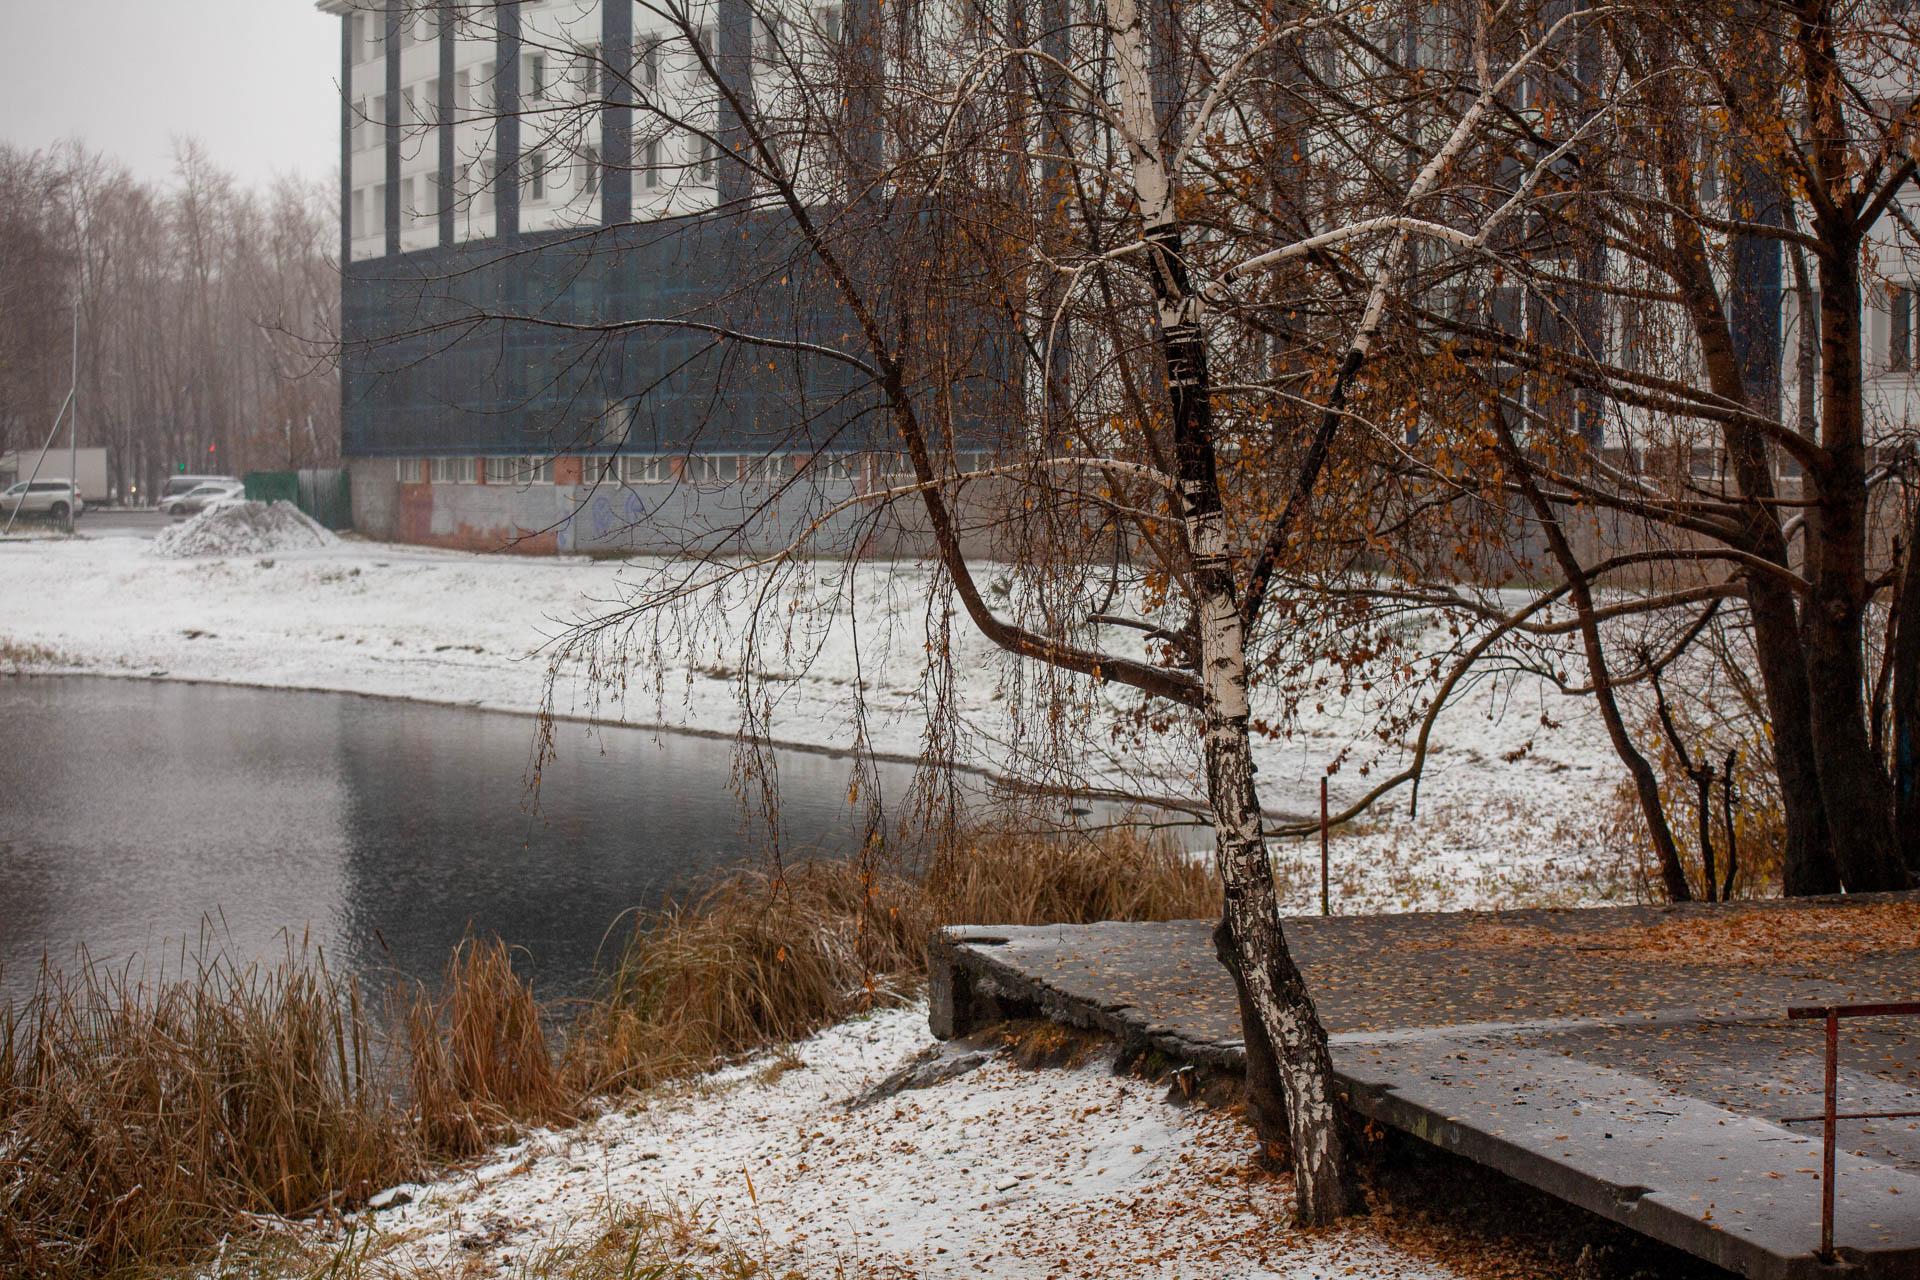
x=1002 y=1171
x=1509 y=807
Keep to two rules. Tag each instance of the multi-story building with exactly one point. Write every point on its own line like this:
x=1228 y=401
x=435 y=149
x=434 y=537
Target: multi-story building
x=507 y=205
x=509 y=220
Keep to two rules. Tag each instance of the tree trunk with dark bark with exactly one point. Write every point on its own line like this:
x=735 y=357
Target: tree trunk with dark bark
x=1905 y=733
x=1852 y=779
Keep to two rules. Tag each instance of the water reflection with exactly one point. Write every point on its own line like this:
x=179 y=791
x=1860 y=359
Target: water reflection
x=133 y=813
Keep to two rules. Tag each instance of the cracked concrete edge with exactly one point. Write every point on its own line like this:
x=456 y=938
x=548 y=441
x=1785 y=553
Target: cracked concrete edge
x=970 y=987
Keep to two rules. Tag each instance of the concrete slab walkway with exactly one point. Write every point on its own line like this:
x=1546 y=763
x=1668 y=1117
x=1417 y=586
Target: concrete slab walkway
x=1636 y=1061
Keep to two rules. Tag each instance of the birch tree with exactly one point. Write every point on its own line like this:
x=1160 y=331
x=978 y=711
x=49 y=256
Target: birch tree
x=1031 y=186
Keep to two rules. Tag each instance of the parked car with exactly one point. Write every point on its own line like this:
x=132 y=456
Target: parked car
x=180 y=486
x=55 y=498
x=200 y=497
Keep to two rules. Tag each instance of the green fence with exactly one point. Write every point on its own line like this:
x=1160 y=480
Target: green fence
x=323 y=494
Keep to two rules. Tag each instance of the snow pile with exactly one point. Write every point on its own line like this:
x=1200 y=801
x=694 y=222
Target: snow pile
x=1001 y=1171
x=243 y=529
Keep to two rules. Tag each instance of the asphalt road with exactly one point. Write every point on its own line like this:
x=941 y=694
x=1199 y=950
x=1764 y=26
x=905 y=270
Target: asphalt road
x=121 y=523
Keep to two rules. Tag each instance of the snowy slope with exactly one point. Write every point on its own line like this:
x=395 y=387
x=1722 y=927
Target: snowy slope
x=1003 y=1171
x=478 y=630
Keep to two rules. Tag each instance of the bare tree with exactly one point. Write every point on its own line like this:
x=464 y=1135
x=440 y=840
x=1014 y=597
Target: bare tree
x=1037 y=253
x=1600 y=396
x=207 y=314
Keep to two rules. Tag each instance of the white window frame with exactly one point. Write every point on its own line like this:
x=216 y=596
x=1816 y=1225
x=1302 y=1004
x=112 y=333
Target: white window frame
x=409 y=470
x=765 y=469
x=841 y=467
x=456 y=470
x=713 y=468
x=585 y=71
x=519 y=470
x=829 y=21
x=769 y=37
x=647 y=468
x=889 y=470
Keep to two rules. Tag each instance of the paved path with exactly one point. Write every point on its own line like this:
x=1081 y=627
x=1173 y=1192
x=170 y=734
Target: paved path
x=1636 y=1061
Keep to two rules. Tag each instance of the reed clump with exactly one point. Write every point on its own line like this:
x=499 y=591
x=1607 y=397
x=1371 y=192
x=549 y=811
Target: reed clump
x=760 y=958
x=478 y=1056
x=139 y=1118
x=1121 y=873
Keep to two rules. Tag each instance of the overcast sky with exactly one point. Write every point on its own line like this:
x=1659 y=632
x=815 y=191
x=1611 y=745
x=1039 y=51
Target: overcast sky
x=253 y=79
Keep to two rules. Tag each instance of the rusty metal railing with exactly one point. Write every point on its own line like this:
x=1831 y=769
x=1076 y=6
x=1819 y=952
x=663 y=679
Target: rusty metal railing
x=1830 y=1117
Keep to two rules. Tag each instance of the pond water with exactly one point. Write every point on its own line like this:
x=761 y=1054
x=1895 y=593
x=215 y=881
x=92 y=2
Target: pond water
x=136 y=816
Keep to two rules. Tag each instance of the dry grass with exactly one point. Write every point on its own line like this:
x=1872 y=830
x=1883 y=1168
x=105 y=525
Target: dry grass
x=1117 y=874
x=478 y=1059
x=623 y=1241
x=143 y=1122
x=140 y=1118
x=759 y=959
x=18 y=657
x=762 y=958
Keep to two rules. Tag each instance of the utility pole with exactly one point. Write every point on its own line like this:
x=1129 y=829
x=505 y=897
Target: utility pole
x=73 y=415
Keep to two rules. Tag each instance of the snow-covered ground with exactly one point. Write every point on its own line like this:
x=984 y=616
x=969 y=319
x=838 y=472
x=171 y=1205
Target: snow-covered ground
x=1512 y=807
x=1003 y=1171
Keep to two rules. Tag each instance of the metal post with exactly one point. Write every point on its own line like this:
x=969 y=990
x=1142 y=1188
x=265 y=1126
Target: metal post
x=73 y=414
x=1326 y=907
x=1831 y=1122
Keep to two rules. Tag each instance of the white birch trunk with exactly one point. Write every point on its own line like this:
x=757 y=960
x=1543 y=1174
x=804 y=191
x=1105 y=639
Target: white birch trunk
x=1288 y=1067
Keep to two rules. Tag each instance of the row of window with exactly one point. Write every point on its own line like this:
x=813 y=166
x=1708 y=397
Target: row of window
x=550 y=77
x=1640 y=332
x=771 y=35
x=543 y=178
x=660 y=468
x=469 y=470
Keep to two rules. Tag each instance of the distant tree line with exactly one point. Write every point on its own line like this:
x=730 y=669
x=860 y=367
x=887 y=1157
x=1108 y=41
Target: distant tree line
x=207 y=312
